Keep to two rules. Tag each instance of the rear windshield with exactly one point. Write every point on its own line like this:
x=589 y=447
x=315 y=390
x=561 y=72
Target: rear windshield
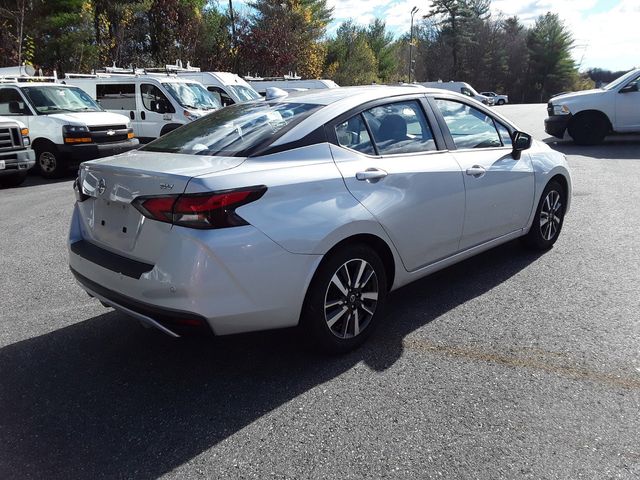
x=235 y=131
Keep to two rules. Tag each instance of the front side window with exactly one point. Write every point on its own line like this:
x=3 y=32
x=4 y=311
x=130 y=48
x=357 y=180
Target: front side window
x=12 y=103
x=117 y=96
x=221 y=96
x=55 y=99
x=154 y=100
x=192 y=95
x=236 y=131
x=469 y=127
x=466 y=91
x=245 y=93
x=400 y=128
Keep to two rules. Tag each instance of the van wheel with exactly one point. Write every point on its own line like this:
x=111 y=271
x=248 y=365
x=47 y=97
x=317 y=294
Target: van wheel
x=588 y=128
x=48 y=161
x=345 y=299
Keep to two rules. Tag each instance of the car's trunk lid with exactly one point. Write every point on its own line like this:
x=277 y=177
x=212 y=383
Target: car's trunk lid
x=113 y=183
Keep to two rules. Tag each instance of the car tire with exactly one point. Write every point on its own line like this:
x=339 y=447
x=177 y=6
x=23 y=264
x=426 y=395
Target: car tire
x=501 y=102
x=548 y=219
x=345 y=299
x=13 y=180
x=588 y=129
x=48 y=162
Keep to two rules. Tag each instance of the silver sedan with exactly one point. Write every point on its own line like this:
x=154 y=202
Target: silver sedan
x=308 y=209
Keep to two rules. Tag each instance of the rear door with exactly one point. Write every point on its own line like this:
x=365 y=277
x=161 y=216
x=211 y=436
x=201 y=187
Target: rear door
x=499 y=188
x=388 y=156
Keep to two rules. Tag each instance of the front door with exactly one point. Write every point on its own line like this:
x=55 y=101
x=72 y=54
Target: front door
x=13 y=105
x=156 y=111
x=628 y=107
x=388 y=158
x=499 y=188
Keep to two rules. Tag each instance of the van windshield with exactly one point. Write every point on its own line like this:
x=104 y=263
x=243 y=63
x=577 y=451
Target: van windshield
x=55 y=99
x=192 y=95
x=237 y=130
x=245 y=93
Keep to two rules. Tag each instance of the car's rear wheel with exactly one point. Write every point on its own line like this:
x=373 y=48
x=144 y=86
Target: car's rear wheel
x=549 y=217
x=501 y=102
x=588 y=128
x=345 y=299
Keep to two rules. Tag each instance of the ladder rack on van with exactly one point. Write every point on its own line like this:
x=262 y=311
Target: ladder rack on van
x=28 y=79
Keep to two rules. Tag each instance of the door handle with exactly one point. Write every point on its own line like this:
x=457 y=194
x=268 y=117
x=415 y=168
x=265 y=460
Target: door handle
x=143 y=115
x=476 y=171
x=371 y=175
x=132 y=115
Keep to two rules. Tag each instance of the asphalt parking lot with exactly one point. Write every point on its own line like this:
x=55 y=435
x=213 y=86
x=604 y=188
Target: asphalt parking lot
x=509 y=365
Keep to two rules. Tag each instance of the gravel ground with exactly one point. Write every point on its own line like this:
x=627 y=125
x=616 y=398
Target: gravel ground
x=509 y=365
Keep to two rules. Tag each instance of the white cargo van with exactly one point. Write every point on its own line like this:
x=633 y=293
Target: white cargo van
x=460 y=87
x=155 y=103
x=66 y=126
x=289 y=85
x=227 y=87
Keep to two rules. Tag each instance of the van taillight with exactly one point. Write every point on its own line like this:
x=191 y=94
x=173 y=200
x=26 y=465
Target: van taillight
x=200 y=210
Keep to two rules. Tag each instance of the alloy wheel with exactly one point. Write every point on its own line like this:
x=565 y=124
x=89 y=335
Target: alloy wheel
x=351 y=298
x=551 y=215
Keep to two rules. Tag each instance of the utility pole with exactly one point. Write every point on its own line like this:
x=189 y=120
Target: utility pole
x=413 y=12
x=233 y=37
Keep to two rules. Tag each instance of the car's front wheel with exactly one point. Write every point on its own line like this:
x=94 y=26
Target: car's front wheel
x=345 y=299
x=549 y=217
x=501 y=102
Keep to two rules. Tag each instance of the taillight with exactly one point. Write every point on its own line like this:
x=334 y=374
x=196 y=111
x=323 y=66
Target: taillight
x=200 y=210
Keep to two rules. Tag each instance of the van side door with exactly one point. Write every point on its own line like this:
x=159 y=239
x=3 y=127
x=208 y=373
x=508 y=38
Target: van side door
x=120 y=98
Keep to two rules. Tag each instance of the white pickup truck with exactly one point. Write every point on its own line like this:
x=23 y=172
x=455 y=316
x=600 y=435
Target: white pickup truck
x=591 y=115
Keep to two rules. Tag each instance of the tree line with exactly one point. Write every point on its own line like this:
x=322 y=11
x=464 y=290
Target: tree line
x=453 y=40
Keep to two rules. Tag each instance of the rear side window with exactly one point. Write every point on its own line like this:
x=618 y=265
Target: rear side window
x=238 y=130
x=121 y=96
x=400 y=128
x=469 y=127
x=353 y=134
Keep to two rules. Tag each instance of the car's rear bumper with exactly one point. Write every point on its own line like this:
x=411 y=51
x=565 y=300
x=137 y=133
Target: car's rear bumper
x=17 y=161
x=236 y=279
x=556 y=125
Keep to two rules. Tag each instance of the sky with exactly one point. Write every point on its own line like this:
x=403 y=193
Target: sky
x=606 y=32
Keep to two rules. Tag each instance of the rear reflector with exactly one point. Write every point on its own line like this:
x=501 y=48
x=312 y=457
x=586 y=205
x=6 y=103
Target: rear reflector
x=200 y=210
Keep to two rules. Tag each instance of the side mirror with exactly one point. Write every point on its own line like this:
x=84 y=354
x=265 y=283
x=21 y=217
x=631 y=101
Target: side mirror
x=521 y=141
x=632 y=87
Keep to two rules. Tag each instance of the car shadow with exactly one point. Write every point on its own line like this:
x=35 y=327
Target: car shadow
x=107 y=398
x=614 y=147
